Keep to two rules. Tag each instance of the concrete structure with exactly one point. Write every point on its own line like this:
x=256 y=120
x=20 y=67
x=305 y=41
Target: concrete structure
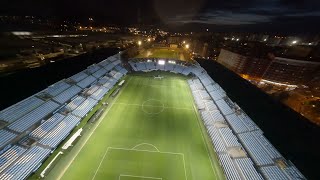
x=269 y=67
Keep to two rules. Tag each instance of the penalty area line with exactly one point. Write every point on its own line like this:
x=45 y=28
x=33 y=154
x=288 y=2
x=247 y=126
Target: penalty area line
x=143 y=177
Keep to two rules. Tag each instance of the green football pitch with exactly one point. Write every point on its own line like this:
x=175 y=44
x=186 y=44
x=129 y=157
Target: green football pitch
x=170 y=53
x=151 y=131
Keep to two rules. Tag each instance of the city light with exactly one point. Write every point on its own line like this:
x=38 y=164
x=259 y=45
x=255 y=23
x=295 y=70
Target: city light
x=294 y=42
x=139 y=43
x=238 y=39
x=184 y=42
x=149 y=39
x=265 y=40
x=187 y=46
x=161 y=62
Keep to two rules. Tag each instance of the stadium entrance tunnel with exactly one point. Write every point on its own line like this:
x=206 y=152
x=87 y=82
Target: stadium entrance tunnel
x=152 y=107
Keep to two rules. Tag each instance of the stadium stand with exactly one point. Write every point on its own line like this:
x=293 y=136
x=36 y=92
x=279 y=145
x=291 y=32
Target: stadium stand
x=217 y=116
x=92 y=89
x=86 y=82
x=84 y=107
x=256 y=151
x=75 y=103
x=103 y=80
x=178 y=68
x=210 y=106
x=216 y=140
x=229 y=138
x=109 y=67
x=10 y=156
x=98 y=94
x=78 y=77
x=247 y=169
x=57 y=88
x=93 y=68
x=293 y=173
x=236 y=124
x=228 y=167
x=273 y=172
x=6 y=137
x=60 y=131
x=104 y=63
x=224 y=107
x=150 y=65
x=99 y=73
x=67 y=94
x=248 y=122
x=216 y=95
x=45 y=127
x=26 y=164
x=207 y=119
x=33 y=117
x=266 y=144
x=116 y=62
x=16 y=111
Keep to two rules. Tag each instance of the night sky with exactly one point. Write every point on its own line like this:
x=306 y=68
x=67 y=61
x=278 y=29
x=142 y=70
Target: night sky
x=239 y=15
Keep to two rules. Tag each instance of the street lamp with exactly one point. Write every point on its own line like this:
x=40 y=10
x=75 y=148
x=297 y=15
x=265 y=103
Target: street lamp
x=187 y=46
x=139 y=43
x=184 y=42
x=149 y=39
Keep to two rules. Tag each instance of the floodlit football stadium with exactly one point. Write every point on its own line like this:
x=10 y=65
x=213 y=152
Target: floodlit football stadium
x=141 y=119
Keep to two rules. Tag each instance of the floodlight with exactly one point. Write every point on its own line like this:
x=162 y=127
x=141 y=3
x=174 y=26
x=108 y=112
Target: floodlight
x=161 y=62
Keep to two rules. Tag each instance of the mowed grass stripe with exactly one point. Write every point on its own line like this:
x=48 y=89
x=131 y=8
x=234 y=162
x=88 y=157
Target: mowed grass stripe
x=172 y=130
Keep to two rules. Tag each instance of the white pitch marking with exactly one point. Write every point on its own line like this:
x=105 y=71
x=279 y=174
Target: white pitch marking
x=146 y=144
x=100 y=163
x=126 y=149
x=144 y=177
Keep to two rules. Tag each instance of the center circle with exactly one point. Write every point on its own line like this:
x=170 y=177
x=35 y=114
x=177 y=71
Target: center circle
x=152 y=106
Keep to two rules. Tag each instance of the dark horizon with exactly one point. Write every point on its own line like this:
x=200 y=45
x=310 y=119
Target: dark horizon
x=239 y=16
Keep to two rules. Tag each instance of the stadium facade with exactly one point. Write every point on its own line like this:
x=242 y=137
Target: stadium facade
x=32 y=129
